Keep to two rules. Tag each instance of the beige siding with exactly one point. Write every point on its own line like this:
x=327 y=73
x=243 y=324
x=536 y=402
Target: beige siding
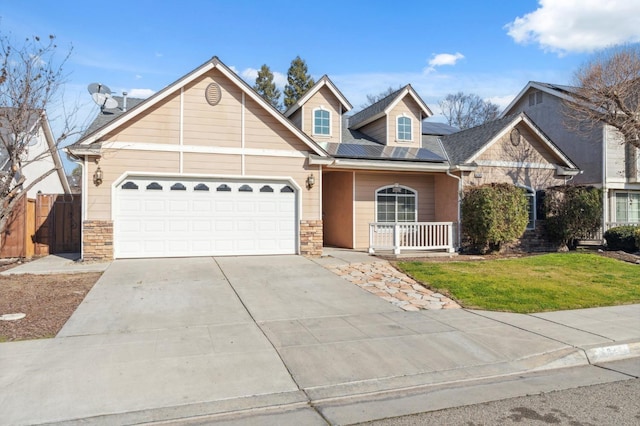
x=212 y=164
x=296 y=118
x=325 y=99
x=409 y=108
x=295 y=168
x=113 y=164
x=159 y=124
x=337 y=209
x=218 y=125
x=446 y=198
x=366 y=185
x=263 y=131
x=530 y=149
x=376 y=130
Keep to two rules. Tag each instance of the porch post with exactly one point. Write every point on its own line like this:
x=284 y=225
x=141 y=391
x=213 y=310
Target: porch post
x=396 y=238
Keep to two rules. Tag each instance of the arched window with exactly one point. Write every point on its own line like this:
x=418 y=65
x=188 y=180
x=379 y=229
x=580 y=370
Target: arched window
x=321 y=122
x=404 y=128
x=396 y=204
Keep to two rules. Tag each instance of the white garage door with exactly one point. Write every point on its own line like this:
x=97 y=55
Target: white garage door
x=161 y=217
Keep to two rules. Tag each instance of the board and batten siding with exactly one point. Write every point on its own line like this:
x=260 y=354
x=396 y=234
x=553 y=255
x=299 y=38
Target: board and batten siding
x=366 y=185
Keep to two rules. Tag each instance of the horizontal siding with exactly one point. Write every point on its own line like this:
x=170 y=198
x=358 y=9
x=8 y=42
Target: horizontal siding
x=326 y=99
x=290 y=167
x=264 y=131
x=376 y=130
x=530 y=150
x=113 y=164
x=212 y=164
x=366 y=185
x=158 y=124
x=411 y=109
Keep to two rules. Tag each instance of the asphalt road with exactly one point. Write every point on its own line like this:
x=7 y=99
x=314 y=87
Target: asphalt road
x=615 y=403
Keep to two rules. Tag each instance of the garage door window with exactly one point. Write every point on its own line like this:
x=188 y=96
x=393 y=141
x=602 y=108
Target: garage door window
x=129 y=185
x=286 y=189
x=266 y=188
x=245 y=188
x=154 y=186
x=201 y=187
x=178 y=187
x=223 y=188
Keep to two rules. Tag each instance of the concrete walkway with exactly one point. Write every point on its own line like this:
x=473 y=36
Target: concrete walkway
x=283 y=340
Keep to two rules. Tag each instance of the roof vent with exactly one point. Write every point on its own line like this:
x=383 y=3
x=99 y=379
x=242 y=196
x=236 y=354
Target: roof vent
x=213 y=94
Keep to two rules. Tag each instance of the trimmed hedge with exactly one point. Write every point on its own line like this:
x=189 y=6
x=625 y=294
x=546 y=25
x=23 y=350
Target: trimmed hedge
x=572 y=211
x=494 y=214
x=626 y=238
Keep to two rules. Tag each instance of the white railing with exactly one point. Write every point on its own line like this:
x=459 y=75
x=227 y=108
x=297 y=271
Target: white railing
x=411 y=236
x=598 y=235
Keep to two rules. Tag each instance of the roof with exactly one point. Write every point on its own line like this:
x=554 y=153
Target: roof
x=381 y=152
x=324 y=81
x=384 y=105
x=434 y=128
x=105 y=115
x=561 y=91
x=80 y=147
x=462 y=147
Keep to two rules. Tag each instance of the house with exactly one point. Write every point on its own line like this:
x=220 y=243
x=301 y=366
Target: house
x=207 y=167
x=606 y=162
x=40 y=156
x=27 y=230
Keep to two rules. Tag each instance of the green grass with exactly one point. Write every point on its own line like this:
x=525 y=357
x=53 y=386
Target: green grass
x=541 y=283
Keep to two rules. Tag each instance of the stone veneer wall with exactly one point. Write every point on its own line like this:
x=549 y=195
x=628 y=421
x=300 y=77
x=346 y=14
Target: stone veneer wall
x=311 y=238
x=97 y=238
x=534 y=241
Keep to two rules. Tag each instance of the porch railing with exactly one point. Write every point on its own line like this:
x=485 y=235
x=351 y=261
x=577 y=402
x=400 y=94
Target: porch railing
x=599 y=234
x=411 y=236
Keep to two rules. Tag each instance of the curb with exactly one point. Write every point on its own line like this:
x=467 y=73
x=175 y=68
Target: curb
x=607 y=353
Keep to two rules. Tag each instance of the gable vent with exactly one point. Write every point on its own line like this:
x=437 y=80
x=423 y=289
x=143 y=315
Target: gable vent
x=213 y=94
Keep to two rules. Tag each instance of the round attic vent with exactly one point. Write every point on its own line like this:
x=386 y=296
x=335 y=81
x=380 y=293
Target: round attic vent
x=213 y=94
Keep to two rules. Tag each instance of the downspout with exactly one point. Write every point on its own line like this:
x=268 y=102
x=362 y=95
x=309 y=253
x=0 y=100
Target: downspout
x=459 y=230
x=605 y=190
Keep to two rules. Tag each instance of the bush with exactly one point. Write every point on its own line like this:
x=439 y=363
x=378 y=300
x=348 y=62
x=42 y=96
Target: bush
x=626 y=238
x=572 y=212
x=494 y=214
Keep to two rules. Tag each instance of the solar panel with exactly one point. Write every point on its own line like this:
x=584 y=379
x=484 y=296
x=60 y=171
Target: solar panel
x=381 y=152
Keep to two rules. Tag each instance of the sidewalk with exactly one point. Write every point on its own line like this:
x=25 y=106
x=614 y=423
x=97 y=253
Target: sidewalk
x=282 y=340
x=64 y=263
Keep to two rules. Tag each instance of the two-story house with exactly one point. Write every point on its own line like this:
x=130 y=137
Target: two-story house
x=207 y=167
x=605 y=160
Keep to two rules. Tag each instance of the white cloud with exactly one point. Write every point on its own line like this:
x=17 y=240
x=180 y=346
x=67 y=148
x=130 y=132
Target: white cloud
x=578 y=25
x=138 y=76
x=502 y=101
x=249 y=75
x=141 y=93
x=440 y=59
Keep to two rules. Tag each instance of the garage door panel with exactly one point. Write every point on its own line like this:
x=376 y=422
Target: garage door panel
x=189 y=222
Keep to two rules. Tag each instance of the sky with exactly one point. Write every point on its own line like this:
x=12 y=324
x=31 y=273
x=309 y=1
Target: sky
x=491 y=48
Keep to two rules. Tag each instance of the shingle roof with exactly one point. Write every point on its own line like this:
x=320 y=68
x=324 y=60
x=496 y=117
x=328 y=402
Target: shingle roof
x=375 y=109
x=351 y=136
x=462 y=145
x=105 y=116
x=434 y=128
x=381 y=152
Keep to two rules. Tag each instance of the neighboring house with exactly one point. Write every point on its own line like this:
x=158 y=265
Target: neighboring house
x=40 y=156
x=605 y=160
x=207 y=167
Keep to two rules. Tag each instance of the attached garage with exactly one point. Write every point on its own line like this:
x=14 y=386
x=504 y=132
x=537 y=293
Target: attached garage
x=156 y=216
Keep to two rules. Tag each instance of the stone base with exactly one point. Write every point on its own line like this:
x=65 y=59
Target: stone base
x=311 y=238
x=97 y=236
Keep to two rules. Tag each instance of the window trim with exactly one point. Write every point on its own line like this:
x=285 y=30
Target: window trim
x=627 y=194
x=398 y=138
x=382 y=188
x=313 y=124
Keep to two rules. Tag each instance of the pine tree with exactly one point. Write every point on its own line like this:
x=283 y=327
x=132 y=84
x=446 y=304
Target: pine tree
x=266 y=87
x=299 y=81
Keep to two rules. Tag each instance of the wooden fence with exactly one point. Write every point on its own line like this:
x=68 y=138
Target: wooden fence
x=47 y=225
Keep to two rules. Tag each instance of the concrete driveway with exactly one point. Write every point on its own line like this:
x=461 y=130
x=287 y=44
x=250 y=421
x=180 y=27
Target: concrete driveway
x=158 y=339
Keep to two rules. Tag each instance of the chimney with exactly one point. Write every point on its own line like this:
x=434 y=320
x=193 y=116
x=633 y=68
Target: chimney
x=124 y=101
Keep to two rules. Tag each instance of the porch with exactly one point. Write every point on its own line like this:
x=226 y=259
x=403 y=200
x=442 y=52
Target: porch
x=413 y=236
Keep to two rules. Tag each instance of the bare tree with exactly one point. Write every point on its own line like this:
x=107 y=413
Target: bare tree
x=372 y=99
x=607 y=90
x=30 y=79
x=467 y=110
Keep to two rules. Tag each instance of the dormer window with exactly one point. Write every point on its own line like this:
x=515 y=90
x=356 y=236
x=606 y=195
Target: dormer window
x=321 y=122
x=404 y=128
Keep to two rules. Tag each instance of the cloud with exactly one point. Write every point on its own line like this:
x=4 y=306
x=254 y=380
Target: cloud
x=249 y=75
x=141 y=93
x=440 y=59
x=578 y=25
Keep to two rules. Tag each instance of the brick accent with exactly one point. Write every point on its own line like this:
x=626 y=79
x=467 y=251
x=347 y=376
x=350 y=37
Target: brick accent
x=534 y=241
x=311 y=238
x=97 y=237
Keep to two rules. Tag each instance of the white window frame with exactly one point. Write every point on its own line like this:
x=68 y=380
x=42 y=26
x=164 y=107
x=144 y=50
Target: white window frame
x=531 y=224
x=627 y=195
x=313 y=124
x=415 y=196
x=398 y=138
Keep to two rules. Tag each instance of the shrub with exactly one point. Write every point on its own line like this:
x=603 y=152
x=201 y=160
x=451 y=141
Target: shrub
x=626 y=238
x=572 y=212
x=494 y=214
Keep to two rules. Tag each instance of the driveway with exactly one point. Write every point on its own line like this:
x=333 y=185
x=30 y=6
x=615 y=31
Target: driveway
x=158 y=339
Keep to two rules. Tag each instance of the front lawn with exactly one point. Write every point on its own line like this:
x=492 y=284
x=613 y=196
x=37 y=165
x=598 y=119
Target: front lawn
x=546 y=282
